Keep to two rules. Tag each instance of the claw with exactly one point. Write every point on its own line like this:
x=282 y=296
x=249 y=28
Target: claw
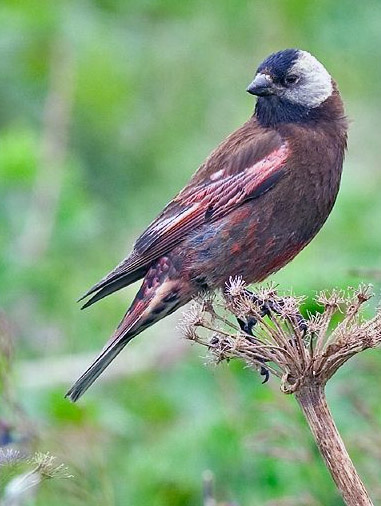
x=247 y=327
x=276 y=307
x=265 y=373
x=266 y=309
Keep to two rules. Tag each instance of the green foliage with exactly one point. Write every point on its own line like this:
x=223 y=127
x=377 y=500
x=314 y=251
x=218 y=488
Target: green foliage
x=156 y=84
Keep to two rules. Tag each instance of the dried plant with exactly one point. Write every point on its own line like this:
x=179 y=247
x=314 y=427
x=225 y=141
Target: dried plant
x=268 y=332
x=22 y=487
x=21 y=472
x=46 y=465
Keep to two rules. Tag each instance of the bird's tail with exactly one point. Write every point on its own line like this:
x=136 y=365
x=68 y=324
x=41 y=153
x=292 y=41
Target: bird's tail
x=158 y=297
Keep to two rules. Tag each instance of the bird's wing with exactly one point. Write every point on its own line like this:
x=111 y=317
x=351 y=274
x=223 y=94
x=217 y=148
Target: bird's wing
x=192 y=208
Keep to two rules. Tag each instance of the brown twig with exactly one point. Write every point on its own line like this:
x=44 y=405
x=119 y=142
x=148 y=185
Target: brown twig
x=303 y=362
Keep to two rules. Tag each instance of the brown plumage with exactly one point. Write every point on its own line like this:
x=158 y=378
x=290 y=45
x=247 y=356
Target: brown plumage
x=256 y=201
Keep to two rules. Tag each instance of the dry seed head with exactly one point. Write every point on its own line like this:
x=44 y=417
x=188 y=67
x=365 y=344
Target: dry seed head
x=235 y=286
x=364 y=292
x=333 y=299
x=290 y=306
x=267 y=292
x=205 y=300
x=187 y=330
x=244 y=305
x=194 y=315
x=47 y=467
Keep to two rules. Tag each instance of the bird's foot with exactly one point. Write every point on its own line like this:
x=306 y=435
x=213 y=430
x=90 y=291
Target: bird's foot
x=266 y=308
x=247 y=327
x=276 y=306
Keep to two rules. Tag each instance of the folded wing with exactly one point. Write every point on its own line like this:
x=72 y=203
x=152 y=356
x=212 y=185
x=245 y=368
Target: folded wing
x=192 y=208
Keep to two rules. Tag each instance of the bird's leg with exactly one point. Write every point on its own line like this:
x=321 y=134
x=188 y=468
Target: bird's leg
x=247 y=327
x=276 y=307
x=265 y=310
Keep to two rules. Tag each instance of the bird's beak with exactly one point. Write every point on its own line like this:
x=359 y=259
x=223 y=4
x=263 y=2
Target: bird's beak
x=262 y=86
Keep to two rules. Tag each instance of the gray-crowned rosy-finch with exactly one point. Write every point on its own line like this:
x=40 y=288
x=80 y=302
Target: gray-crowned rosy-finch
x=255 y=202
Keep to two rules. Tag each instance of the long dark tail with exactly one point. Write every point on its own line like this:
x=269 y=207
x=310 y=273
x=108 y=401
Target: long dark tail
x=158 y=297
x=121 y=337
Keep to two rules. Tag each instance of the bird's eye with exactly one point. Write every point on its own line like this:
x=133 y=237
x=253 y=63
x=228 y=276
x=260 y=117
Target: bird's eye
x=291 y=79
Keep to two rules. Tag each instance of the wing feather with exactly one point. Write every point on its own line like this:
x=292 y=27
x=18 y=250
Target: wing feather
x=192 y=208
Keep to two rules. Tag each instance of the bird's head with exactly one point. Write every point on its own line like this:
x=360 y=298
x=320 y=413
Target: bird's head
x=292 y=77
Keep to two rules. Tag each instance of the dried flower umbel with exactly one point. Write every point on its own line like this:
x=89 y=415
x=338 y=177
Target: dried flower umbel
x=268 y=331
x=292 y=348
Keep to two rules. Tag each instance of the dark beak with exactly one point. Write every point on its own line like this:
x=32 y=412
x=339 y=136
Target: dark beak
x=262 y=86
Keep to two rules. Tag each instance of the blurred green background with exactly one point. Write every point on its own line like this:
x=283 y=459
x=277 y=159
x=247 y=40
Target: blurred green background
x=106 y=109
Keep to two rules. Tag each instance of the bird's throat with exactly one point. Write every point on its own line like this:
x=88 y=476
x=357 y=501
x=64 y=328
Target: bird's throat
x=271 y=111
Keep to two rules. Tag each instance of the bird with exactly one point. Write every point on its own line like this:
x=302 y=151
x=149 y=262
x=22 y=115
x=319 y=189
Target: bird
x=257 y=200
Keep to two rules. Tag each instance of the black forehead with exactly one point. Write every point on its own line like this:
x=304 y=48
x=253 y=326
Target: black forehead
x=277 y=64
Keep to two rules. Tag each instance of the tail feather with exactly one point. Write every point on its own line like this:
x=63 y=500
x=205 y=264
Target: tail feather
x=96 y=369
x=158 y=296
x=129 y=327
x=110 y=284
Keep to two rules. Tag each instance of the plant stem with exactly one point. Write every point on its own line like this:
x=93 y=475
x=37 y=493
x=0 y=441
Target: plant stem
x=312 y=400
